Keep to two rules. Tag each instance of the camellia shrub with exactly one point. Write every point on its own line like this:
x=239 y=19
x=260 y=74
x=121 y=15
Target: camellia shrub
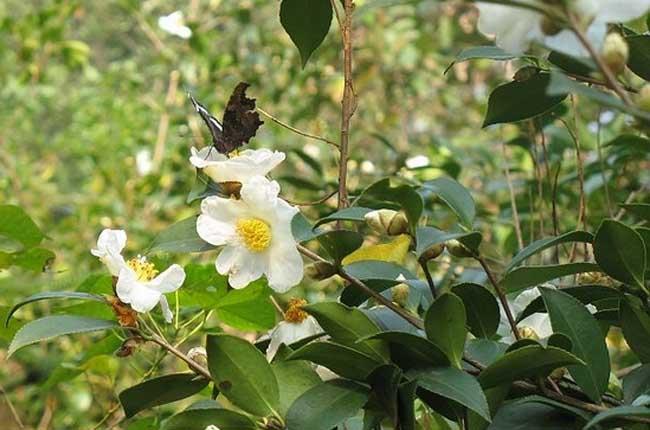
x=424 y=325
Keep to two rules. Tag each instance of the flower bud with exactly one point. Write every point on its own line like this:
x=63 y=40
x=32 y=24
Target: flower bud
x=387 y=221
x=525 y=73
x=400 y=294
x=643 y=98
x=615 y=52
x=231 y=188
x=457 y=249
x=550 y=27
x=320 y=270
x=433 y=252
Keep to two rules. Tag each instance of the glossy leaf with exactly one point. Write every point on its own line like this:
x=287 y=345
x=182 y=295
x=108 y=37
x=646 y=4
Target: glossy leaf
x=294 y=379
x=198 y=418
x=455 y=196
x=355 y=213
x=481 y=52
x=641 y=210
x=242 y=374
x=307 y=23
x=542 y=244
x=483 y=314
x=49 y=295
x=160 y=391
x=382 y=195
x=635 y=323
x=426 y=237
x=620 y=251
x=395 y=251
x=326 y=405
x=639 y=58
x=302 y=230
x=445 y=325
x=339 y=243
x=16 y=225
x=618 y=413
x=572 y=319
x=636 y=386
x=412 y=351
x=180 y=237
x=53 y=326
x=530 y=276
x=34 y=259
x=384 y=382
x=248 y=308
x=340 y=359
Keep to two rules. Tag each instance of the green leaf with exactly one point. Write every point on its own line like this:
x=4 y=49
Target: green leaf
x=519 y=100
x=294 y=379
x=382 y=195
x=16 y=225
x=180 y=237
x=456 y=197
x=426 y=237
x=160 y=391
x=203 y=286
x=307 y=23
x=454 y=384
x=326 y=405
x=347 y=325
x=526 y=362
x=516 y=415
x=635 y=323
x=620 y=251
x=340 y=359
x=639 y=59
x=248 y=308
x=34 y=259
x=355 y=213
x=339 y=243
x=481 y=52
x=412 y=351
x=52 y=326
x=573 y=65
x=618 y=413
x=482 y=310
x=199 y=418
x=530 y=276
x=636 y=386
x=444 y=324
x=384 y=382
x=378 y=270
x=542 y=244
x=406 y=406
x=570 y=318
x=630 y=142
x=242 y=374
x=302 y=230
x=48 y=295
x=641 y=210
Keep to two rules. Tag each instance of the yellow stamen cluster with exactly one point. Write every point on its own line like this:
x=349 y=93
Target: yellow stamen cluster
x=255 y=233
x=144 y=269
x=294 y=313
x=526 y=332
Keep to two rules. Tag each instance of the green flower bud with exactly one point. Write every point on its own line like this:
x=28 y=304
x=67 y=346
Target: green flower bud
x=550 y=27
x=320 y=270
x=387 y=221
x=433 y=252
x=615 y=52
x=400 y=294
x=457 y=249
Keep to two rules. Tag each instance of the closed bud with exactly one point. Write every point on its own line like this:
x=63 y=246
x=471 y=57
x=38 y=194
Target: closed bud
x=320 y=270
x=525 y=73
x=615 y=52
x=643 y=98
x=457 y=249
x=400 y=294
x=550 y=27
x=387 y=221
x=433 y=252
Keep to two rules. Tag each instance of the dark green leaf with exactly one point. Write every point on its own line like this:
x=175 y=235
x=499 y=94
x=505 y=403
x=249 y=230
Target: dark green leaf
x=426 y=237
x=526 y=362
x=639 y=59
x=454 y=384
x=571 y=318
x=631 y=142
x=200 y=418
x=530 y=276
x=294 y=379
x=249 y=308
x=52 y=326
x=16 y=225
x=573 y=65
x=384 y=382
x=48 y=295
x=203 y=286
x=444 y=324
x=516 y=415
x=381 y=195
x=516 y=101
x=641 y=210
x=160 y=391
x=481 y=52
x=355 y=213
x=618 y=413
x=620 y=251
x=406 y=407
x=635 y=323
x=302 y=230
x=636 y=386
x=307 y=23
x=412 y=351
x=456 y=197
x=378 y=270
x=482 y=310
x=339 y=243
x=340 y=359
x=242 y=374
x=34 y=259
x=542 y=244
x=326 y=405
x=180 y=237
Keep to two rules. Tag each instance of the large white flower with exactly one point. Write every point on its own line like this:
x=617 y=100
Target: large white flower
x=138 y=281
x=256 y=232
x=297 y=325
x=174 y=23
x=237 y=168
x=516 y=27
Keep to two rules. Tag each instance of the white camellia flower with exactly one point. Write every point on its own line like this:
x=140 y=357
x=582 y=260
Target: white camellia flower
x=212 y=427
x=297 y=325
x=256 y=234
x=515 y=27
x=138 y=281
x=237 y=168
x=174 y=23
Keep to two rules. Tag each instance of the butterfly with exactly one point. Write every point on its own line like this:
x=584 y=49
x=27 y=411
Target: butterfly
x=240 y=121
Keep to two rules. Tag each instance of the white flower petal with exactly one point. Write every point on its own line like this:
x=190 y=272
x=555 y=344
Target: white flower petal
x=109 y=247
x=168 y=281
x=567 y=42
x=288 y=333
x=129 y=290
x=216 y=224
x=229 y=256
x=174 y=23
x=260 y=193
x=166 y=311
x=285 y=265
x=207 y=156
x=513 y=27
x=238 y=168
x=620 y=10
x=250 y=268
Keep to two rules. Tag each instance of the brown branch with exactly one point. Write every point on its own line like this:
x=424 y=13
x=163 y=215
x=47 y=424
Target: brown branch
x=196 y=367
x=314 y=202
x=594 y=81
x=427 y=273
x=502 y=296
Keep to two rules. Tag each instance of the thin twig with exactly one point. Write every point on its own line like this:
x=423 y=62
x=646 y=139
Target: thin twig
x=13 y=410
x=502 y=296
x=196 y=367
x=163 y=124
x=314 y=202
x=593 y=81
x=601 y=160
x=631 y=197
x=513 y=201
x=427 y=273
x=295 y=130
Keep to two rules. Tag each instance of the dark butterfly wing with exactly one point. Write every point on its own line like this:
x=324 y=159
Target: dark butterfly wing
x=215 y=127
x=240 y=121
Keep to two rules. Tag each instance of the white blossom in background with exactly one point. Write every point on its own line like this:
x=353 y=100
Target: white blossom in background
x=212 y=427
x=255 y=232
x=143 y=162
x=238 y=168
x=297 y=325
x=174 y=24
x=417 y=162
x=138 y=282
x=515 y=27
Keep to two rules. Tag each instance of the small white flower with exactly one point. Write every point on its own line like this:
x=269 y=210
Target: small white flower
x=297 y=325
x=174 y=23
x=256 y=232
x=238 y=168
x=515 y=28
x=417 y=162
x=212 y=427
x=138 y=281
x=143 y=162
